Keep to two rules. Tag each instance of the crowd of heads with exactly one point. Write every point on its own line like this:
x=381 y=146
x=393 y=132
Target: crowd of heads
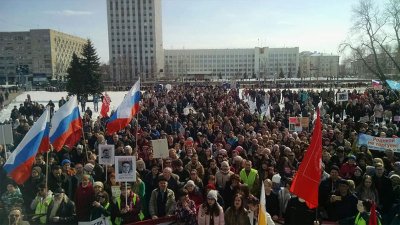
x=222 y=148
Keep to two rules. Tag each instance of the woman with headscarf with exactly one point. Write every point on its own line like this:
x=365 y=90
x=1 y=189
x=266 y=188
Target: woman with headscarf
x=194 y=193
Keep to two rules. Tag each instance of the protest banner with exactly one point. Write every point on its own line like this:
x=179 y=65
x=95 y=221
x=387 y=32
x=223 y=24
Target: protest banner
x=115 y=191
x=378 y=143
x=106 y=154
x=297 y=124
x=342 y=97
x=99 y=221
x=160 y=148
x=126 y=168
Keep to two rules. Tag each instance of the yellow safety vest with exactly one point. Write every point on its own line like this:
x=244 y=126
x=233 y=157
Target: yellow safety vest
x=249 y=180
x=118 y=220
x=41 y=208
x=108 y=218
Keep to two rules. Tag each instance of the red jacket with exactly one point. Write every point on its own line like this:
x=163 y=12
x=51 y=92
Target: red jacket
x=347 y=170
x=84 y=198
x=197 y=197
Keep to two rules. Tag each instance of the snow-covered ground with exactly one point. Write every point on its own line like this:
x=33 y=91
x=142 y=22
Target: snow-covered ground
x=43 y=97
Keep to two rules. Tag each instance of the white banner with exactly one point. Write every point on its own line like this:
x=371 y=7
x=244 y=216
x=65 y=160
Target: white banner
x=99 y=221
x=160 y=148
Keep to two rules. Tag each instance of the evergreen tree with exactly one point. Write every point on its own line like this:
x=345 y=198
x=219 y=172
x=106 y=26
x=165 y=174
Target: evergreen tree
x=254 y=76
x=74 y=82
x=290 y=73
x=91 y=70
x=245 y=76
x=281 y=75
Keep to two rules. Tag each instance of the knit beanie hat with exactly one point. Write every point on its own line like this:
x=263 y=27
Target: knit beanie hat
x=37 y=169
x=276 y=178
x=65 y=161
x=225 y=163
x=213 y=194
x=88 y=167
x=190 y=183
x=99 y=184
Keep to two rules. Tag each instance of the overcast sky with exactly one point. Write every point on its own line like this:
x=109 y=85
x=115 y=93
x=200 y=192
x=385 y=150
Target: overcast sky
x=312 y=25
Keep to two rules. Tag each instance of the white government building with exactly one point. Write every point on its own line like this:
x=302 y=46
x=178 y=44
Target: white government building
x=232 y=63
x=136 y=49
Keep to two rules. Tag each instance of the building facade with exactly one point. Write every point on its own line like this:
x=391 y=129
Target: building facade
x=319 y=65
x=41 y=53
x=264 y=63
x=135 y=40
x=359 y=69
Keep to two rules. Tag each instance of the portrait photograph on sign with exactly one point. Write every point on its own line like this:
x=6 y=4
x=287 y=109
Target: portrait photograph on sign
x=106 y=154
x=126 y=168
x=342 y=97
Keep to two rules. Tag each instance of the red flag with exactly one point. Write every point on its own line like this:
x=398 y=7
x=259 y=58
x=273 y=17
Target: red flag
x=105 y=107
x=372 y=217
x=306 y=181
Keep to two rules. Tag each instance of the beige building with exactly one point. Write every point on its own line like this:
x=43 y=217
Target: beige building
x=318 y=65
x=135 y=40
x=359 y=69
x=247 y=63
x=41 y=53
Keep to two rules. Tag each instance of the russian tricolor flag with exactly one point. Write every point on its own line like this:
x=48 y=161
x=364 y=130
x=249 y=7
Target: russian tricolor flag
x=66 y=125
x=125 y=111
x=19 y=164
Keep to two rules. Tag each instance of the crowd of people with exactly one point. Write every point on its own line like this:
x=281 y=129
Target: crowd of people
x=221 y=151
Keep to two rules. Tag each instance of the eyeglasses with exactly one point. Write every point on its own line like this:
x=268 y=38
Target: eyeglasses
x=14 y=215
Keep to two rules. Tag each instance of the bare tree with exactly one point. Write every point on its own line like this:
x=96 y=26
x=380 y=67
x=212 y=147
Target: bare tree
x=371 y=37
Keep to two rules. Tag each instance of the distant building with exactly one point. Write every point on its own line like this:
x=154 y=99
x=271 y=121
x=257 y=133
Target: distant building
x=231 y=63
x=135 y=40
x=314 y=64
x=359 y=69
x=40 y=53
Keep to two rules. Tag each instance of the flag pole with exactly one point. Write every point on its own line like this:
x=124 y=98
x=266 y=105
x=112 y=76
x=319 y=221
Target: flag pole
x=47 y=166
x=106 y=171
x=126 y=194
x=84 y=143
x=137 y=122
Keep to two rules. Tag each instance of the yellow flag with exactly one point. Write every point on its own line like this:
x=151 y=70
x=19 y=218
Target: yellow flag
x=262 y=212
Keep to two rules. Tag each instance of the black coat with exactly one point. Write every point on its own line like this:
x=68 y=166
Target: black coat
x=298 y=213
x=66 y=212
x=385 y=193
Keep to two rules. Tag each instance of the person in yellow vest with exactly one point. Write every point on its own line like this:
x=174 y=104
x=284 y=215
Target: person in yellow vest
x=40 y=204
x=250 y=177
x=101 y=207
x=122 y=213
x=364 y=213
